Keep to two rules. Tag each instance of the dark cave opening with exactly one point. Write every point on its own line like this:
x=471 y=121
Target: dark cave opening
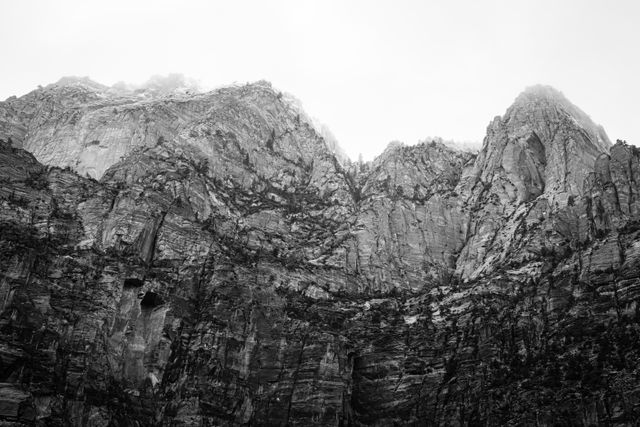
x=151 y=300
x=133 y=282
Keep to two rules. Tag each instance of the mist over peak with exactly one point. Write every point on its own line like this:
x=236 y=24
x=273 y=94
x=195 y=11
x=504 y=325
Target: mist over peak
x=163 y=84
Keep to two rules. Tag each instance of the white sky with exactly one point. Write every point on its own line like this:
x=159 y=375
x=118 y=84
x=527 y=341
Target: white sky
x=373 y=71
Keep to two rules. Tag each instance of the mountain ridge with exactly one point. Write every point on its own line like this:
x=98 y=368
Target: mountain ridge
x=236 y=271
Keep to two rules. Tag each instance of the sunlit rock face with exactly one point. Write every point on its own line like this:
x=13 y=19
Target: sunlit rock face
x=230 y=267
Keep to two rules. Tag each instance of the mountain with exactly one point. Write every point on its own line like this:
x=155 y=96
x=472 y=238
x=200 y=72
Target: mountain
x=211 y=258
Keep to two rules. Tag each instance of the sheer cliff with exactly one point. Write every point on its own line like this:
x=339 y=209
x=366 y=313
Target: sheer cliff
x=210 y=259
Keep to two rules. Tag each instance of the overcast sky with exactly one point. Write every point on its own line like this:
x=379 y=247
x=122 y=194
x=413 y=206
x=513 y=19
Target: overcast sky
x=373 y=71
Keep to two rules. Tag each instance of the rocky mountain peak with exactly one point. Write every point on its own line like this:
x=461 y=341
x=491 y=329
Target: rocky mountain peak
x=79 y=81
x=425 y=168
x=227 y=269
x=542 y=151
x=541 y=92
x=90 y=127
x=542 y=145
x=541 y=102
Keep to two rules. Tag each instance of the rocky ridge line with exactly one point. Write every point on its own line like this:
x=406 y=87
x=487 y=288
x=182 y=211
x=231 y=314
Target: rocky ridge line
x=240 y=273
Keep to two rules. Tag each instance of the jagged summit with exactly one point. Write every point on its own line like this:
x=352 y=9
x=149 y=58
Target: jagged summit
x=76 y=80
x=543 y=149
x=158 y=85
x=541 y=102
x=542 y=91
x=542 y=144
x=391 y=147
x=162 y=85
x=226 y=269
x=429 y=144
x=89 y=127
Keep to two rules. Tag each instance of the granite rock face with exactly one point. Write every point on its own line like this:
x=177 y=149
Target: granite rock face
x=541 y=151
x=542 y=145
x=230 y=267
x=410 y=222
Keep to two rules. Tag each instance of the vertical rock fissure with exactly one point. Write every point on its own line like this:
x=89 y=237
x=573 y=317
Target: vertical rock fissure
x=295 y=378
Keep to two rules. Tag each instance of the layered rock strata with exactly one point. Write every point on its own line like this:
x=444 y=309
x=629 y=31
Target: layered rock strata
x=228 y=268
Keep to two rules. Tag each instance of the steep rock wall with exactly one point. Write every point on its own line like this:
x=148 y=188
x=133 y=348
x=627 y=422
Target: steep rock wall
x=231 y=278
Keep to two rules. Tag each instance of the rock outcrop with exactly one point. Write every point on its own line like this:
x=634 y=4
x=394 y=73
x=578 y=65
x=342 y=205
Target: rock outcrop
x=411 y=224
x=229 y=267
x=539 y=153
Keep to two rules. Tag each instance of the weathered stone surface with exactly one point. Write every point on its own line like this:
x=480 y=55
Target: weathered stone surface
x=543 y=147
x=410 y=223
x=237 y=271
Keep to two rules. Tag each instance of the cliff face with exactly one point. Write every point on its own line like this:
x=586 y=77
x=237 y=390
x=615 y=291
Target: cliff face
x=228 y=268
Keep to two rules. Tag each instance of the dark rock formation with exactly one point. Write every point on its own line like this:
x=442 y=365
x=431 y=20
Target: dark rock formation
x=229 y=268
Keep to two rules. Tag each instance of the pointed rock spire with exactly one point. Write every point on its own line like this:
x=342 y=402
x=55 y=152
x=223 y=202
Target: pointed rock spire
x=542 y=145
